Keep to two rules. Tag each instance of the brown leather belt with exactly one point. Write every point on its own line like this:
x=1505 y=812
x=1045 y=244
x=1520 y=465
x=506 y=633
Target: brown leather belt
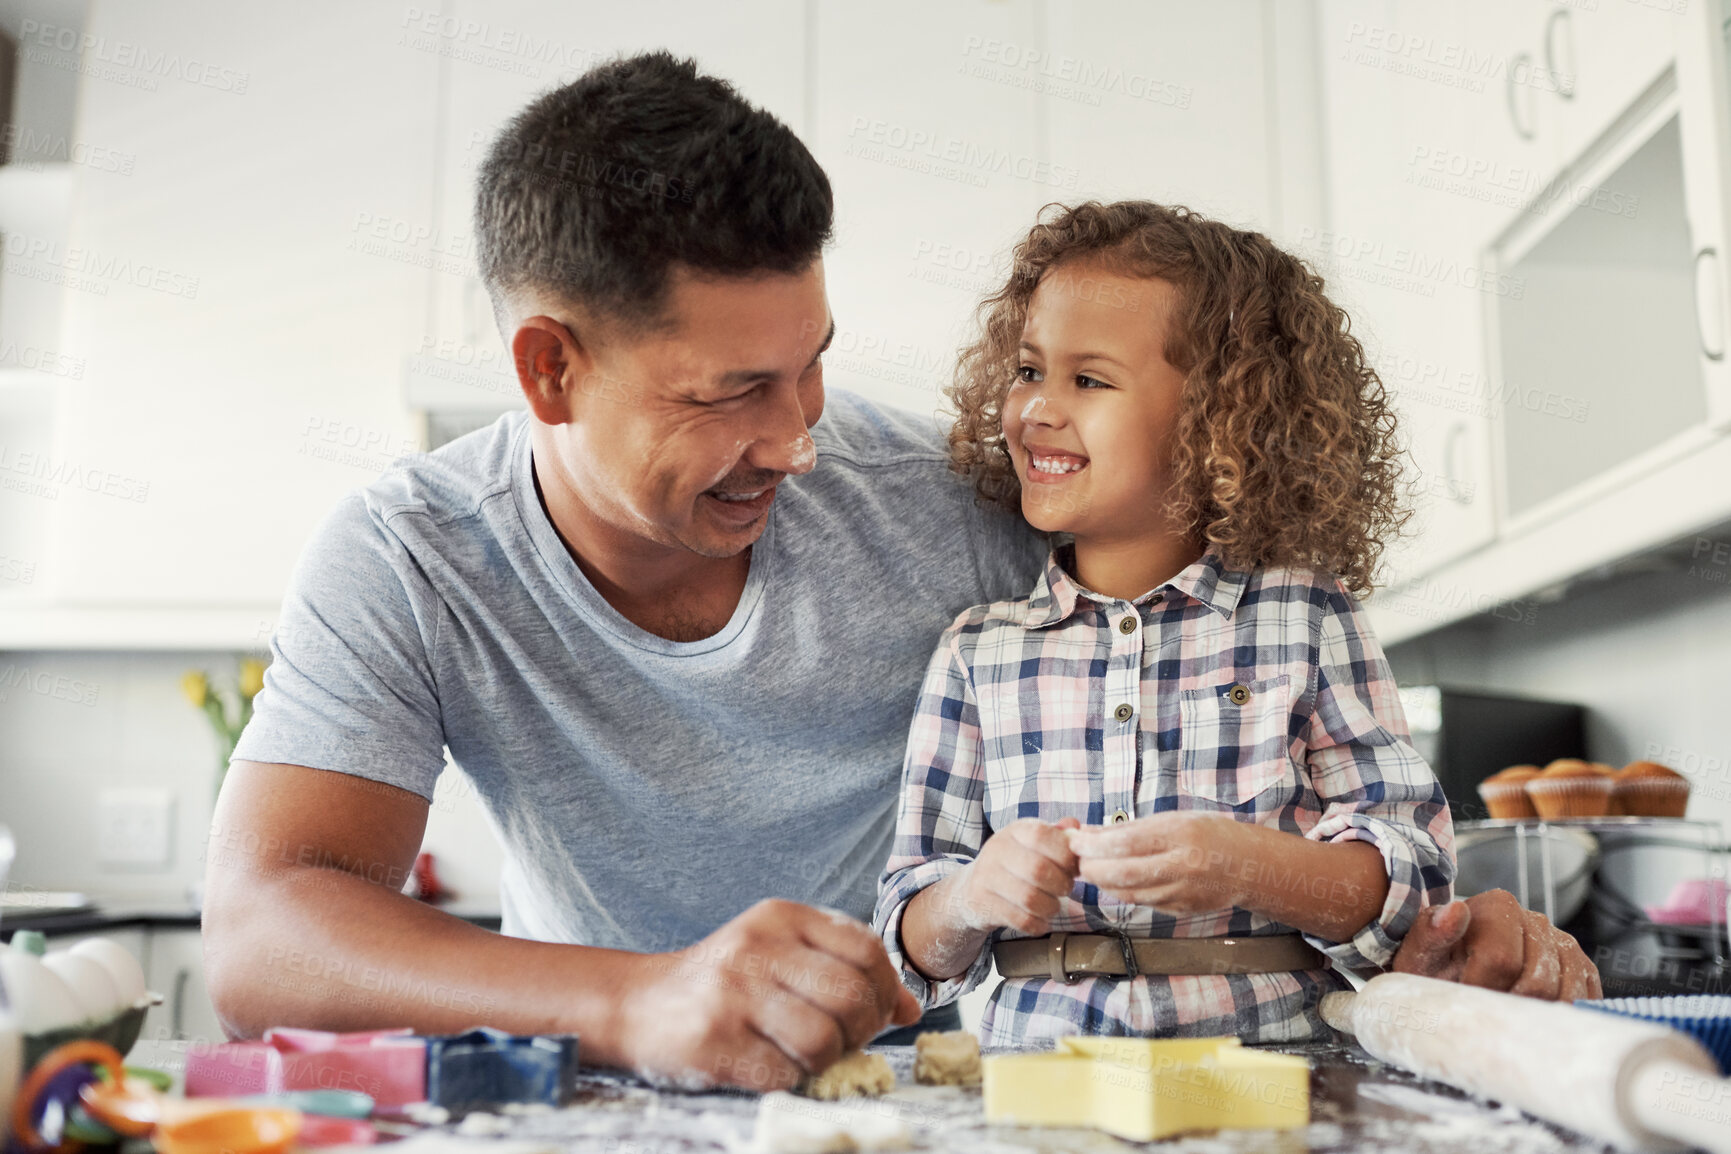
x=1065 y=957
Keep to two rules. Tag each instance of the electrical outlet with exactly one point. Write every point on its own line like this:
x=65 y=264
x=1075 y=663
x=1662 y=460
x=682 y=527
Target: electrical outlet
x=134 y=827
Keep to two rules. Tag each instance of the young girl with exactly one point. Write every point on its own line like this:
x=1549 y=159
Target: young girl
x=1170 y=790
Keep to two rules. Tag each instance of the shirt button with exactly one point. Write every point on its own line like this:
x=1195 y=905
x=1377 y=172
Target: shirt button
x=1128 y=624
x=1119 y=818
x=1124 y=712
x=1238 y=695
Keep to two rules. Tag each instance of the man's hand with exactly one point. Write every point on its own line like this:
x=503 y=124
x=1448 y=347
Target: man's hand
x=1180 y=862
x=1489 y=940
x=779 y=992
x=1022 y=874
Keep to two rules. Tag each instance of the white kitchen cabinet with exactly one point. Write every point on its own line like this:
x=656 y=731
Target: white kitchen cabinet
x=932 y=145
x=176 y=971
x=1167 y=101
x=1607 y=54
x=240 y=346
x=1607 y=360
x=1417 y=174
x=1600 y=346
x=1704 y=96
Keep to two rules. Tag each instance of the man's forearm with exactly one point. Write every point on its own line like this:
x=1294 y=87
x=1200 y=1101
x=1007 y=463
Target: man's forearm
x=326 y=949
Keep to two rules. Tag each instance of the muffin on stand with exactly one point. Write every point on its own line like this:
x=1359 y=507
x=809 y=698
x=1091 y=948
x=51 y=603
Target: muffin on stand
x=1505 y=793
x=1648 y=789
x=1570 y=787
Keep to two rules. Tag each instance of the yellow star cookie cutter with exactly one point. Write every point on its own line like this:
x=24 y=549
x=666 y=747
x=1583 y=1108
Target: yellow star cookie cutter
x=1145 y=1089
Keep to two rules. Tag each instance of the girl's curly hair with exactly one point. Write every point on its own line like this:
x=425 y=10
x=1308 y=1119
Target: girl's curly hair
x=1285 y=451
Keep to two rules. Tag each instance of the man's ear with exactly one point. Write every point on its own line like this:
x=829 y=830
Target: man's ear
x=550 y=359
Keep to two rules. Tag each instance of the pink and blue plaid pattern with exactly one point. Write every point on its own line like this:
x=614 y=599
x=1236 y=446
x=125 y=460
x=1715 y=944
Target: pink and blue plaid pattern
x=1261 y=694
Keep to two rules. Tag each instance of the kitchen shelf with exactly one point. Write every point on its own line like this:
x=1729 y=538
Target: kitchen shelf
x=62 y=627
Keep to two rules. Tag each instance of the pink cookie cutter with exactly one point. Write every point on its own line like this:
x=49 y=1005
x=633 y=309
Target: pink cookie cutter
x=388 y=1065
x=1693 y=902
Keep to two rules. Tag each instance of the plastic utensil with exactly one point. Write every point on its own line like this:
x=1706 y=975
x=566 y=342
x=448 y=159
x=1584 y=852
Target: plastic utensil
x=210 y=1128
x=129 y=1107
x=324 y=1103
x=323 y=1130
x=56 y=1062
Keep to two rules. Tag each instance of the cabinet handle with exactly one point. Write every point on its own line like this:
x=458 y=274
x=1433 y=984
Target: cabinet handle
x=1512 y=90
x=177 y=1007
x=1560 y=18
x=1709 y=320
x=1457 y=491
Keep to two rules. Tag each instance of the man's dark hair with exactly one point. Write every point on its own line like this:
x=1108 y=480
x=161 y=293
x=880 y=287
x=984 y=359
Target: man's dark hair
x=597 y=189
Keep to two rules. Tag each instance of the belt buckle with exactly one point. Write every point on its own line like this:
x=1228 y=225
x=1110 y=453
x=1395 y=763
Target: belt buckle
x=1128 y=947
x=1055 y=957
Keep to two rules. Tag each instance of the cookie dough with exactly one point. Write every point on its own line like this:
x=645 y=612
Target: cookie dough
x=852 y=1076
x=788 y=1124
x=947 y=1059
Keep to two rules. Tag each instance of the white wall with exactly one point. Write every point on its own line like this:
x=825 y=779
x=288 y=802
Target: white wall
x=120 y=720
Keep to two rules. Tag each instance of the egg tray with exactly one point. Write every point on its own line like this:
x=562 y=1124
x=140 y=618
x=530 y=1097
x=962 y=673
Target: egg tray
x=121 y=1031
x=1704 y=1017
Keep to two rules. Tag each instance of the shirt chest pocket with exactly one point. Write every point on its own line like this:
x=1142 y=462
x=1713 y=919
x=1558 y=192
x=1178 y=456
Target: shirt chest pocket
x=1234 y=739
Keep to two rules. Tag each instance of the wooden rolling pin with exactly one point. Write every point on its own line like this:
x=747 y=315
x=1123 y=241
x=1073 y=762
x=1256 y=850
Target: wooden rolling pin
x=1636 y=1084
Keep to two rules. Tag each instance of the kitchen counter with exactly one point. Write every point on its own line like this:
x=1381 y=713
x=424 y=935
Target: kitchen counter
x=106 y=918
x=1357 y=1104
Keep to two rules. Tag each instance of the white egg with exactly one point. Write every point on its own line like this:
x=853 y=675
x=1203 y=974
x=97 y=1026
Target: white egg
x=90 y=984
x=40 y=1000
x=122 y=967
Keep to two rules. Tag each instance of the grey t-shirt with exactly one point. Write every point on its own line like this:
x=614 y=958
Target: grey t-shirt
x=645 y=790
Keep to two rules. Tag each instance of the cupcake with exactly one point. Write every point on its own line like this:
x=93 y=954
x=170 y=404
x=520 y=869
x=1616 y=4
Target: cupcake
x=1613 y=808
x=1571 y=788
x=1505 y=793
x=1648 y=789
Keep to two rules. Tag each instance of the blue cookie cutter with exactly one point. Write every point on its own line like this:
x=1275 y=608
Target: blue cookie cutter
x=486 y=1067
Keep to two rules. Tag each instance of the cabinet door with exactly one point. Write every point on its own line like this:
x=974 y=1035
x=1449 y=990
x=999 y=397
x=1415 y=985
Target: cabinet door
x=931 y=144
x=239 y=295
x=1704 y=99
x=1165 y=101
x=1413 y=192
x=176 y=971
x=1604 y=57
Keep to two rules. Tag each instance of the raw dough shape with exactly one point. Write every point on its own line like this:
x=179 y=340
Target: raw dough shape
x=855 y=1075
x=789 y=1124
x=951 y=1058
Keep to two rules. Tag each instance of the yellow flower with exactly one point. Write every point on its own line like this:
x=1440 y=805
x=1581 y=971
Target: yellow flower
x=251 y=677
x=196 y=688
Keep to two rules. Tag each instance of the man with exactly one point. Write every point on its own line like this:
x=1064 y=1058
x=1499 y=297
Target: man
x=669 y=623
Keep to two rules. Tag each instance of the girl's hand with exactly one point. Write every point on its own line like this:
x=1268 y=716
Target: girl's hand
x=1022 y=874
x=1179 y=862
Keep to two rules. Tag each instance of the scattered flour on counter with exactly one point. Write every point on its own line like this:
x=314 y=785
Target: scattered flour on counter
x=1436 y=1105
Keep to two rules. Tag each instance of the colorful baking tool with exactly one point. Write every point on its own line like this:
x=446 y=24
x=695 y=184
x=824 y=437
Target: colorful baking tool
x=52 y=1089
x=485 y=1067
x=323 y=1103
x=1145 y=1089
x=389 y=1066
x=220 y=1128
x=1705 y=1017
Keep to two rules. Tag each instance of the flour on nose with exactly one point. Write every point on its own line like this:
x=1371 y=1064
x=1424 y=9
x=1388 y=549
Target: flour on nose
x=801 y=453
x=1033 y=408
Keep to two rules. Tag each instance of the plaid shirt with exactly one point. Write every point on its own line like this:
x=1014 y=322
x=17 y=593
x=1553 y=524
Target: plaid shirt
x=1019 y=717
